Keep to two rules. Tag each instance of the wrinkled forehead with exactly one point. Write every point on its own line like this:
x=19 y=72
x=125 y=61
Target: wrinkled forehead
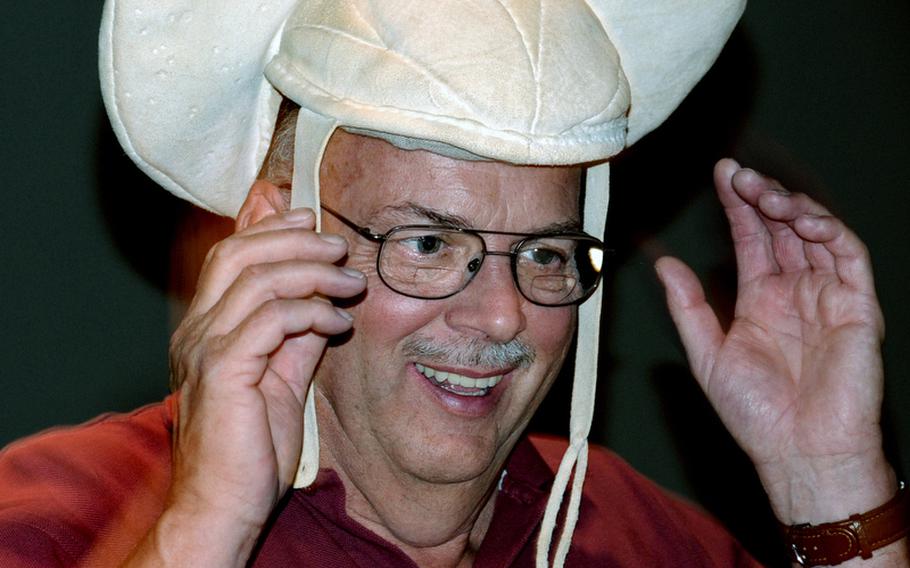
x=367 y=174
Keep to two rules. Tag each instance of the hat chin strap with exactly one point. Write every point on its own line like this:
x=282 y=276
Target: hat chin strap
x=597 y=198
x=312 y=137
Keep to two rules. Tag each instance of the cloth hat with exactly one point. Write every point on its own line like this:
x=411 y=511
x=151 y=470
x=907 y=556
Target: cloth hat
x=193 y=87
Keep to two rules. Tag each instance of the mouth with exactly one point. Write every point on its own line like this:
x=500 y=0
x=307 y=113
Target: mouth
x=459 y=384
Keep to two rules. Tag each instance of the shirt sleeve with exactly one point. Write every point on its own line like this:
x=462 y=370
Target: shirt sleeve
x=84 y=495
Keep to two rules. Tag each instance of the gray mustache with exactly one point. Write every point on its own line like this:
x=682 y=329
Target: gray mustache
x=470 y=352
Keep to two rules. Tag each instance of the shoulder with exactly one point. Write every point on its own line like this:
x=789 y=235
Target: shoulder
x=605 y=468
x=610 y=477
x=107 y=450
x=630 y=518
x=64 y=490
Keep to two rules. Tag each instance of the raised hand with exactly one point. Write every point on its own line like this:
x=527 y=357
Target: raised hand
x=243 y=358
x=797 y=378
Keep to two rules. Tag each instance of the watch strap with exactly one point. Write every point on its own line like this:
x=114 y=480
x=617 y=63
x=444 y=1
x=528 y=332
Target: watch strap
x=832 y=543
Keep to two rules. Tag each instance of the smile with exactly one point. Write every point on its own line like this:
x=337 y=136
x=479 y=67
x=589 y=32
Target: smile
x=459 y=384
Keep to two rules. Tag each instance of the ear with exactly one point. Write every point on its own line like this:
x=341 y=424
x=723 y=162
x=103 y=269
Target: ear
x=265 y=198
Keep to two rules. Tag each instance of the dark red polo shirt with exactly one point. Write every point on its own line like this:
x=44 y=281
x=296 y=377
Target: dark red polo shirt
x=85 y=495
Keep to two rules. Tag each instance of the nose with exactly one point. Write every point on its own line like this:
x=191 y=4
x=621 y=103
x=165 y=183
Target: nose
x=490 y=307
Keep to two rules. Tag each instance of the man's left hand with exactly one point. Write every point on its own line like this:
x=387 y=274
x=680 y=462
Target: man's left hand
x=797 y=378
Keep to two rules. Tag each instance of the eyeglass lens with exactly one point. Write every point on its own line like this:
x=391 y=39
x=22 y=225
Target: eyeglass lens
x=436 y=263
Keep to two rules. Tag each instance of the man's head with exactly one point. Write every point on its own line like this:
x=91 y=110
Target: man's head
x=381 y=390
x=432 y=393
x=376 y=392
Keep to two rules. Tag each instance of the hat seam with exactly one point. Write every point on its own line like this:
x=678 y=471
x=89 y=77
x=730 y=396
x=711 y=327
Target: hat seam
x=533 y=63
x=419 y=67
x=612 y=133
x=536 y=68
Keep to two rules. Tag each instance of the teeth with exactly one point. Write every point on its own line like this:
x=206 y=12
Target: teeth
x=481 y=385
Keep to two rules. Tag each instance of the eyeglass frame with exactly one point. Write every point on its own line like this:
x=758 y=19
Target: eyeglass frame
x=382 y=238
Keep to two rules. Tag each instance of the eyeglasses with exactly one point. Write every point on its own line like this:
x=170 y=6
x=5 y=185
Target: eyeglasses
x=437 y=261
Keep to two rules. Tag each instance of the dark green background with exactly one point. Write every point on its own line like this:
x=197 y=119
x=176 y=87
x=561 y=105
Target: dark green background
x=813 y=92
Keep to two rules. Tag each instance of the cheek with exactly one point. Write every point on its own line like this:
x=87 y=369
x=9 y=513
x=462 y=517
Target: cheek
x=551 y=329
x=363 y=369
x=387 y=317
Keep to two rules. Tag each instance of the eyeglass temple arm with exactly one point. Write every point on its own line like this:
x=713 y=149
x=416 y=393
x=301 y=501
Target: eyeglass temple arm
x=364 y=232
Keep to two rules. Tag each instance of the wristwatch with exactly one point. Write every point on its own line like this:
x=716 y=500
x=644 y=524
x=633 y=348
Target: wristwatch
x=832 y=543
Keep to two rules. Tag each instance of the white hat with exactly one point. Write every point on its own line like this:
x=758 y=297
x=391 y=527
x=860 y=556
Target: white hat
x=193 y=87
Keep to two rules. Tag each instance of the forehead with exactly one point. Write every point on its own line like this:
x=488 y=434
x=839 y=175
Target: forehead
x=364 y=175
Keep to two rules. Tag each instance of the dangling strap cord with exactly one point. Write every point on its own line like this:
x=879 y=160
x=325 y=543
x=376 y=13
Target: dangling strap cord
x=311 y=137
x=597 y=197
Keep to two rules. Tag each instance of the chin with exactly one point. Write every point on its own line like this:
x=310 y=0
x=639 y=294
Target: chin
x=449 y=458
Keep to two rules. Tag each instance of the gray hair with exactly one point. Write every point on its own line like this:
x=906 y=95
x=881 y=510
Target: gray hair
x=278 y=166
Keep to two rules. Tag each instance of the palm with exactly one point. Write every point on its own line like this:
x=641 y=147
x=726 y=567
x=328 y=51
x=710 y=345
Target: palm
x=784 y=372
x=798 y=374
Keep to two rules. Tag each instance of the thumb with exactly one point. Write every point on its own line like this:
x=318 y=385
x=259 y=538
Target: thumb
x=696 y=322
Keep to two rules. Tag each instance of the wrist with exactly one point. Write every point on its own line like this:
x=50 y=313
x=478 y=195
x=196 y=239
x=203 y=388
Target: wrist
x=861 y=536
x=190 y=536
x=822 y=490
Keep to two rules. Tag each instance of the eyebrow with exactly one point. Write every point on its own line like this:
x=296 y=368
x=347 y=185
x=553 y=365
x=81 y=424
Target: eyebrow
x=411 y=209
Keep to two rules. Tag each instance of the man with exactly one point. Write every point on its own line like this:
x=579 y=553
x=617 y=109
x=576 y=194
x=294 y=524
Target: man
x=432 y=373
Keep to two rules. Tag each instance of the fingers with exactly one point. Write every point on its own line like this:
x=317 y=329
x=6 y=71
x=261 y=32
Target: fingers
x=837 y=248
x=695 y=321
x=303 y=217
x=275 y=239
x=266 y=328
x=775 y=231
x=776 y=209
x=262 y=299
x=751 y=238
x=261 y=283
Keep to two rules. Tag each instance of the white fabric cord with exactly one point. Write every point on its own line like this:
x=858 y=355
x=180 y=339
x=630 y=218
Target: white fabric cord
x=548 y=526
x=309 y=454
x=565 y=538
x=311 y=137
x=597 y=199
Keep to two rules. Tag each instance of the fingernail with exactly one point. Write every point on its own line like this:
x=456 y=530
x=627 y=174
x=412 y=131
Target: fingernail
x=353 y=273
x=345 y=314
x=780 y=191
x=750 y=172
x=332 y=238
x=300 y=214
x=745 y=175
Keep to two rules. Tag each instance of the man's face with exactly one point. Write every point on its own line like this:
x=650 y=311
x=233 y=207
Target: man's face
x=377 y=404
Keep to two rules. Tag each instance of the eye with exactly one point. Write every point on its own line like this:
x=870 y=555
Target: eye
x=542 y=256
x=424 y=244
